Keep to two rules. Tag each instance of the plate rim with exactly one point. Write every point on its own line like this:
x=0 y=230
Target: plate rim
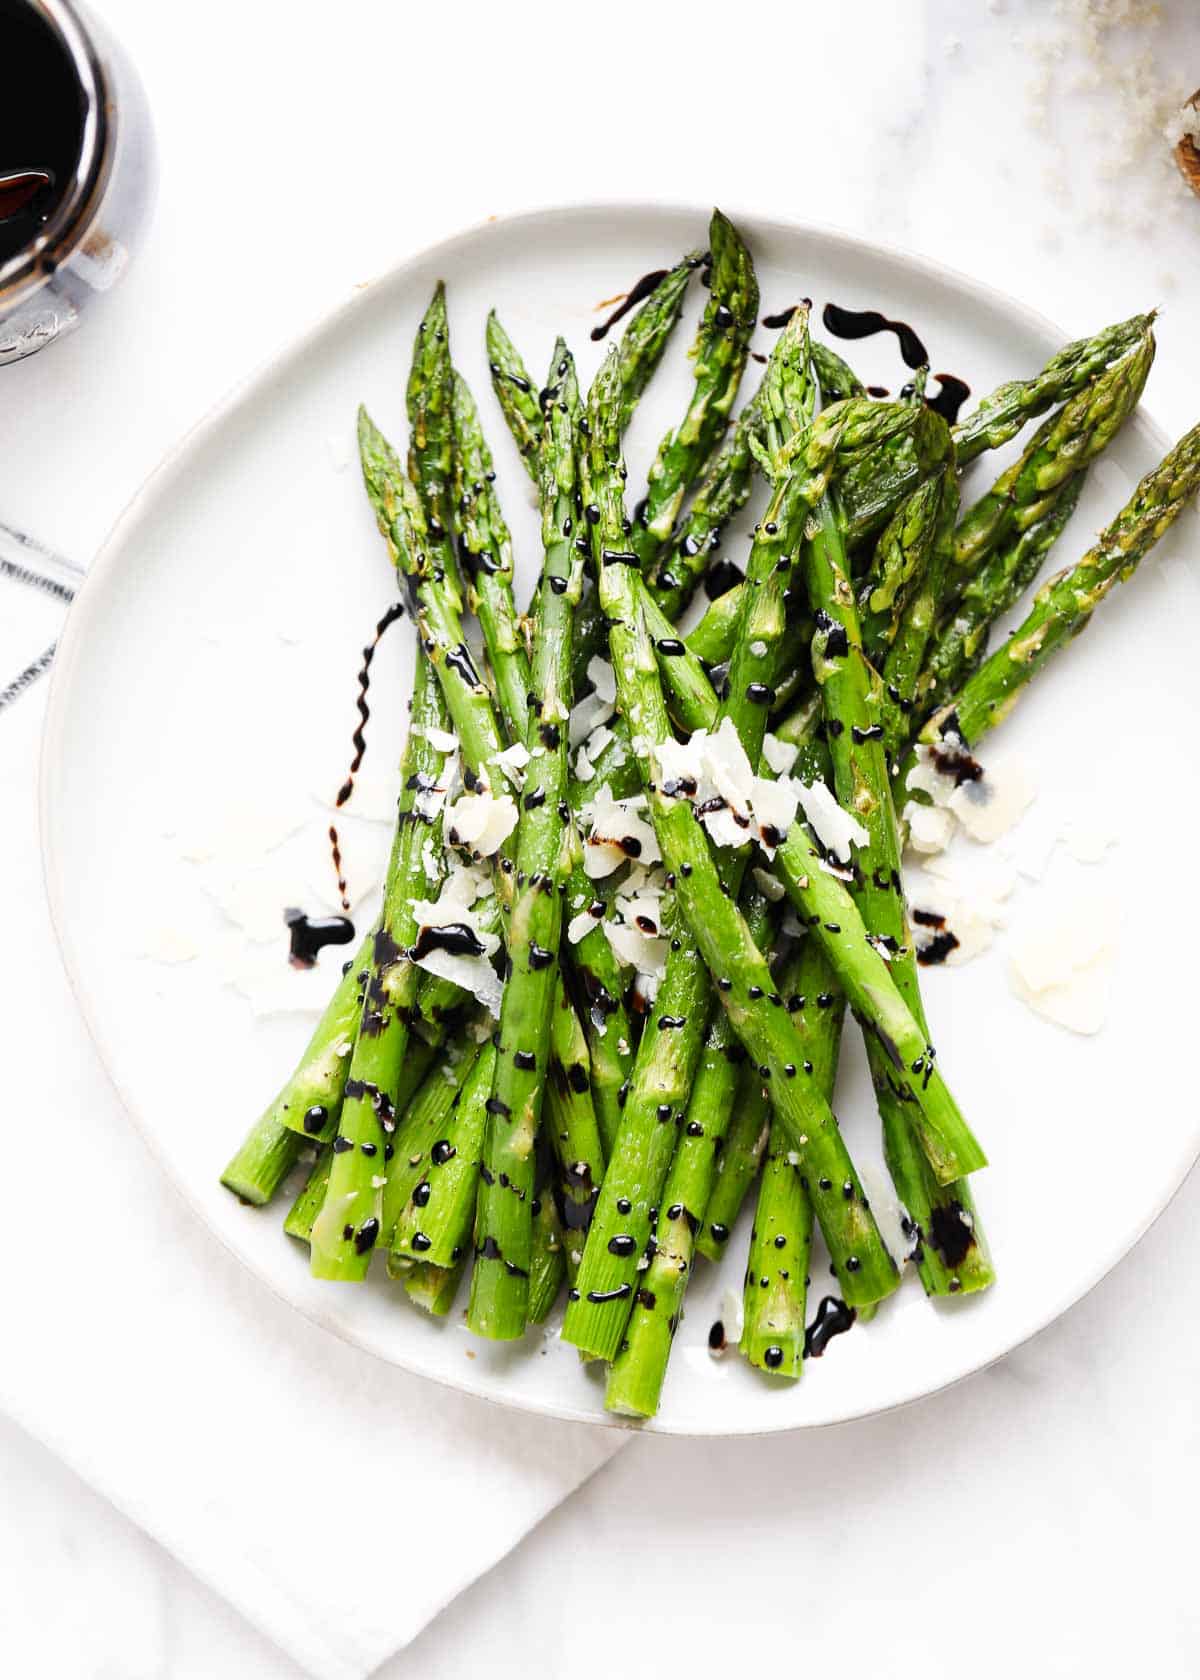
x=106 y=566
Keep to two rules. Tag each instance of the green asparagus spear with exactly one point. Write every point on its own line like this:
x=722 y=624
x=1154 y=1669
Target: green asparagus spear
x=267 y=1155
x=302 y=1214
x=776 y=1284
x=927 y=519
x=401 y=520
x=1064 y=606
x=434 y=1226
x=434 y=1288
x=515 y=393
x=1065 y=444
x=648 y=333
x=743 y=979
x=902 y=557
x=642 y=1151
x=636 y=1378
x=720 y=352
x=431 y=439
x=1001 y=415
x=737 y=1168
x=417 y=1068
x=851 y=694
x=311 y=1100
x=836 y=378
x=641 y=349
x=485 y=555
x=724 y=489
x=999 y=584
x=547 y=1266
x=871 y=493
x=348 y=1227
x=500 y=1280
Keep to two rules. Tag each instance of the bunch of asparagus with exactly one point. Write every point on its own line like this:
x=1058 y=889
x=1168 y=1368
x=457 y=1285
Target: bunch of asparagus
x=492 y=1088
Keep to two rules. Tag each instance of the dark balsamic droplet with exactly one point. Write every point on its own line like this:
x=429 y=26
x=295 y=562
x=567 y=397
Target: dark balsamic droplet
x=640 y=289
x=456 y=938
x=309 y=935
x=314 y=1119
x=833 y=1318
x=865 y=323
x=949 y=398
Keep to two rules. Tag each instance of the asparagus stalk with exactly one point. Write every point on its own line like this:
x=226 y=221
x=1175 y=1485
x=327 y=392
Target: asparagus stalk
x=401 y=519
x=1064 y=606
x=266 y=1156
x=723 y=491
x=1064 y=445
x=902 y=558
x=425 y=1123
x=836 y=378
x=641 y=349
x=719 y=353
x=642 y=1151
x=637 y=1374
x=418 y=1065
x=743 y=979
x=851 y=694
x=1001 y=415
x=499 y=1300
x=310 y=1101
x=514 y=390
x=430 y=399
x=434 y=1226
x=776 y=1285
x=927 y=517
x=547 y=1266
x=738 y=1163
x=648 y=333
x=999 y=584
x=871 y=493
x=302 y=1214
x=348 y=1227
x=434 y=1288
x=485 y=557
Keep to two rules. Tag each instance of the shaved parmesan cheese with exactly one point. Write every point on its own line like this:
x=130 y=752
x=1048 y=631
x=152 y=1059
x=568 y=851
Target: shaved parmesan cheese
x=779 y=755
x=895 y=1226
x=585 y=770
x=580 y=925
x=511 y=763
x=617 y=834
x=441 y=740
x=1061 y=967
x=597 y=741
x=591 y=711
x=636 y=949
x=930 y=827
x=474 y=974
x=989 y=806
x=834 y=827
x=481 y=822
x=602 y=678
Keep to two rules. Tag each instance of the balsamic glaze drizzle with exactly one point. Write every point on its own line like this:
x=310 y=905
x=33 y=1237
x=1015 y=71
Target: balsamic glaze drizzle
x=640 y=290
x=833 y=1318
x=865 y=323
x=311 y=934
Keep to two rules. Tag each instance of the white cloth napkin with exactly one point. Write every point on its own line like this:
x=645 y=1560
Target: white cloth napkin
x=337 y=1502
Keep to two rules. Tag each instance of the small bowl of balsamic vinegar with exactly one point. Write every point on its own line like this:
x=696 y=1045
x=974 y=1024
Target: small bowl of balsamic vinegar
x=76 y=169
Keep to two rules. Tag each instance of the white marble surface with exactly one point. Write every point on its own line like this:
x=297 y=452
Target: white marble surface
x=1040 y=1514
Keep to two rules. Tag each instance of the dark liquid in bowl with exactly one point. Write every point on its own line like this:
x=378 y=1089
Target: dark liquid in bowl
x=41 y=124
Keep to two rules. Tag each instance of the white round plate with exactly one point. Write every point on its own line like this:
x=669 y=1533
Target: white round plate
x=202 y=707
